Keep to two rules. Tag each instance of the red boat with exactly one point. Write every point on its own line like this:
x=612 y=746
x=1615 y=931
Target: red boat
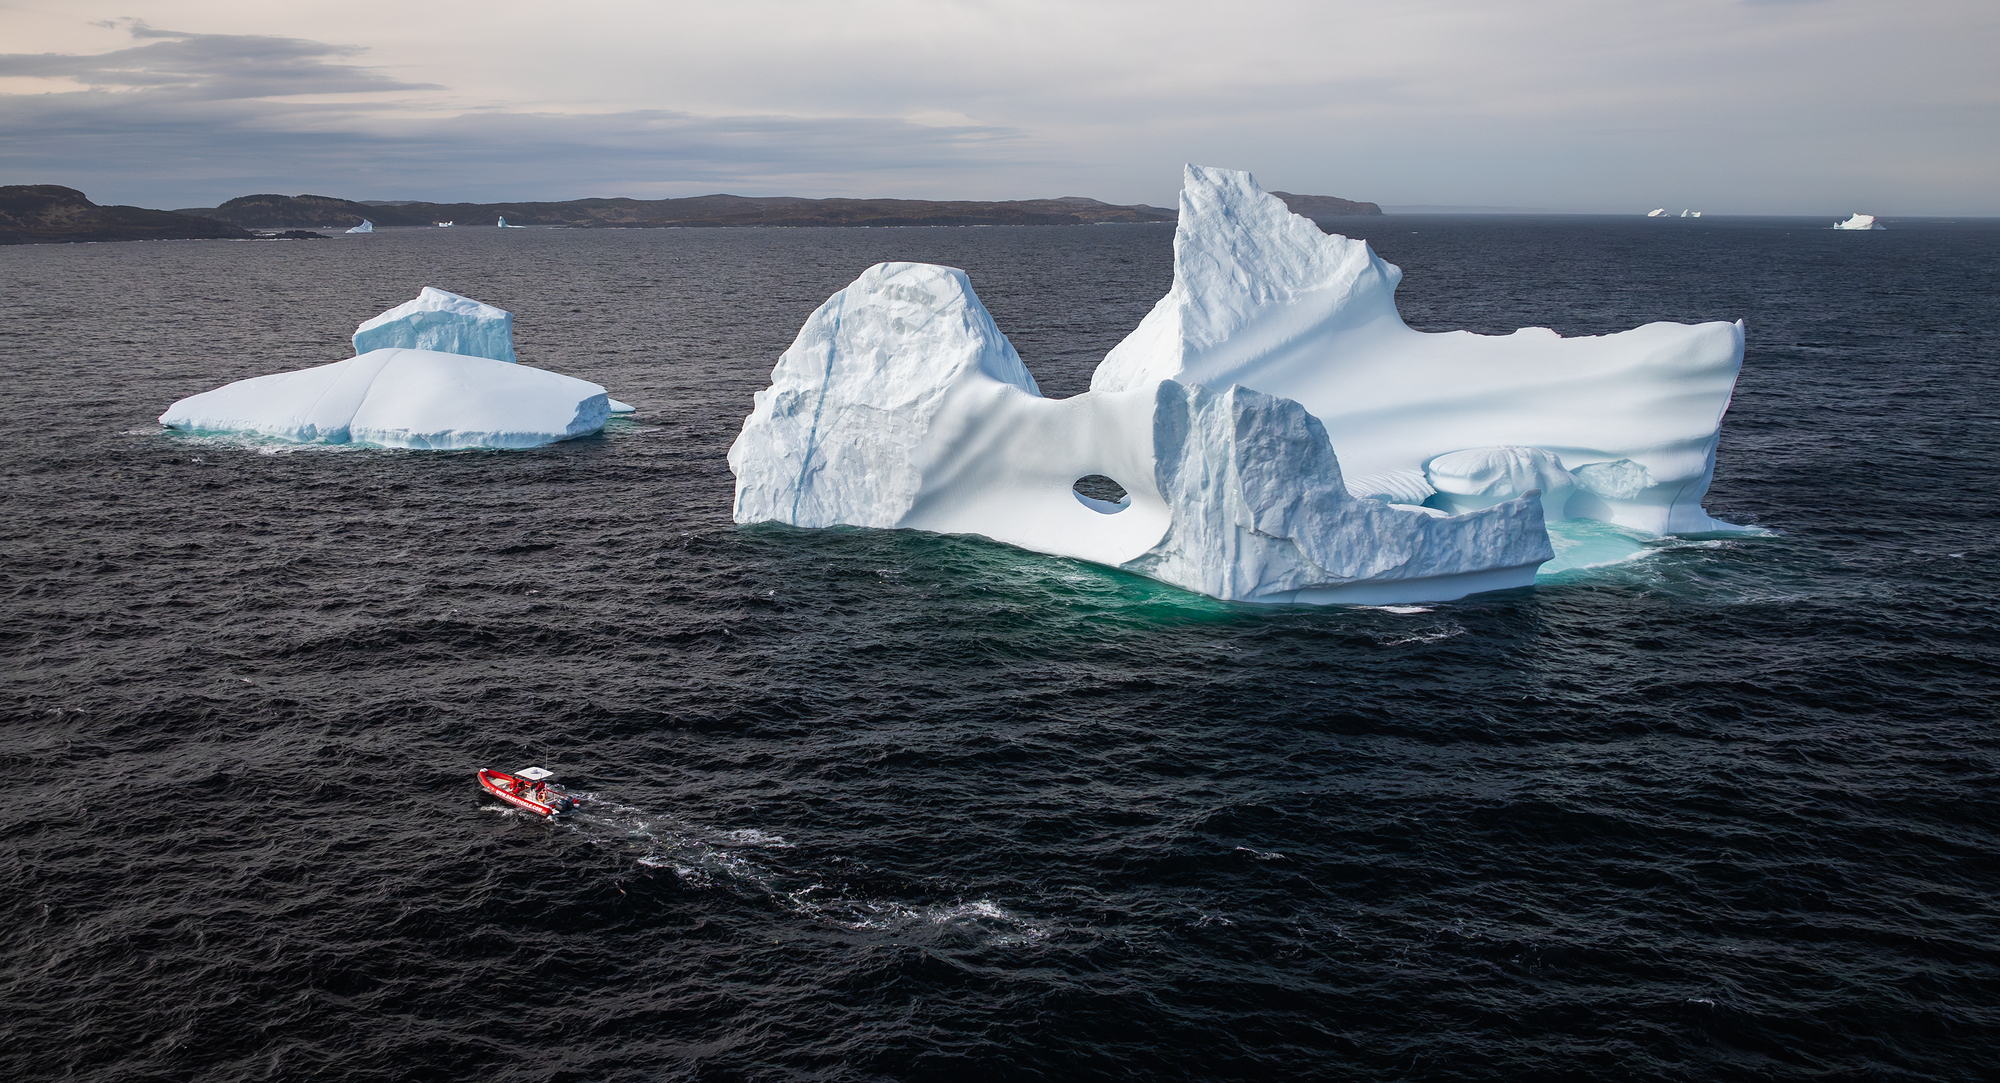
x=527 y=788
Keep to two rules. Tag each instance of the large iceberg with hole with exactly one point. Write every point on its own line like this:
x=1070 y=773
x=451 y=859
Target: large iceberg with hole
x=1280 y=433
x=437 y=372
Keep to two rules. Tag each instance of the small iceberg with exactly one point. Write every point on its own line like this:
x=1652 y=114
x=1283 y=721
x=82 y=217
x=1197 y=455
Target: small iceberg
x=1859 y=221
x=1657 y=212
x=437 y=372
x=444 y=225
x=1690 y=214
x=365 y=227
x=502 y=223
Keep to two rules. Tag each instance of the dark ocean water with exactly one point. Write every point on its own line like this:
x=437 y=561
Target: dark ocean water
x=891 y=806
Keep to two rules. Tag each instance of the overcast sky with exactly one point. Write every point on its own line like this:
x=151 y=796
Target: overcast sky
x=1728 y=106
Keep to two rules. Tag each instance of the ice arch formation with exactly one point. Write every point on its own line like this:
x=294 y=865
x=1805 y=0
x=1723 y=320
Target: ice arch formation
x=1281 y=434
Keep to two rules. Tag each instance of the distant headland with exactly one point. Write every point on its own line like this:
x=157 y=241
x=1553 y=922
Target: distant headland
x=45 y=213
x=53 y=214
x=276 y=211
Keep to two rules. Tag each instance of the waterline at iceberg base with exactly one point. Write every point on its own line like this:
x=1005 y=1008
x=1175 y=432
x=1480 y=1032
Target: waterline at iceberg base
x=1281 y=435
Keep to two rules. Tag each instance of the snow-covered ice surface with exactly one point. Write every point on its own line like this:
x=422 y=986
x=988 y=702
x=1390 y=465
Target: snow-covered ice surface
x=442 y=321
x=1275 y=367
x=1859 y=221
x=402 y=398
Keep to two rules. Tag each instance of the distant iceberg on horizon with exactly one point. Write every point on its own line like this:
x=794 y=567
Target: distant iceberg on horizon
x=365 y=227
x=1281 y=435
x=1859 y=221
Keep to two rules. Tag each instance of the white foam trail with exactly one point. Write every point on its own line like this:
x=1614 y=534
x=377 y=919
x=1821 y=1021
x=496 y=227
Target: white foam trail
x=1424 y=637
x=715 y=858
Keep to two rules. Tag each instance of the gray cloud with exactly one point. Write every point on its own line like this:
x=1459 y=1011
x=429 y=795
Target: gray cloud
x=199 y=118
x=214 y=67
x=197 y=153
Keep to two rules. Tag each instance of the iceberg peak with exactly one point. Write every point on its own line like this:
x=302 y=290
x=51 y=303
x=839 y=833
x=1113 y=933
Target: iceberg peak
x=1263 y=299
x=443 y=321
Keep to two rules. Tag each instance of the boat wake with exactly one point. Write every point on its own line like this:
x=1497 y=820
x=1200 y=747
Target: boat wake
x=748 y=861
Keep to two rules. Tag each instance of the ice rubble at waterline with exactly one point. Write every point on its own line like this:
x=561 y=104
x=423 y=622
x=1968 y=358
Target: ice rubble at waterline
x=1281 y=434
x=436 y=372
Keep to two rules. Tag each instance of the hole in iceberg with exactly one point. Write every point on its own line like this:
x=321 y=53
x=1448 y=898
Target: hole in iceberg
x=1101 y=494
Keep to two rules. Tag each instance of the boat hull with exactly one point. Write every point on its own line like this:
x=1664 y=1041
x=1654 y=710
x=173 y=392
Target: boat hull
x=514 y=791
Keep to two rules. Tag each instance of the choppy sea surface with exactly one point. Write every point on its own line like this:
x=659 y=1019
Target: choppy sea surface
x=893 y=806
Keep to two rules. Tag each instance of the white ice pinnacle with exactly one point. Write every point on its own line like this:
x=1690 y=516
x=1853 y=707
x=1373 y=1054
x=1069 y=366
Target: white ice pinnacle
x=1859 y=221
x=441 y=321
x=1250 y=418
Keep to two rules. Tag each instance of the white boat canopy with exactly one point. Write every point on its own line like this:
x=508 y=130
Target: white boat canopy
x=534 y=774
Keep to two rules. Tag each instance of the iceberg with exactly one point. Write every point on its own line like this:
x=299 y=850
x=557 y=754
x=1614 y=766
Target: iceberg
x=1859 y=221
x=365 y=227
x=435 y=372
x=1280 y=434
x=402 y=398
x=1657 y=212
x=502 y=223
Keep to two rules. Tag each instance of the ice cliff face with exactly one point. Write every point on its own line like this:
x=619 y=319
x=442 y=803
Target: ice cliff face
x=1275 y=423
